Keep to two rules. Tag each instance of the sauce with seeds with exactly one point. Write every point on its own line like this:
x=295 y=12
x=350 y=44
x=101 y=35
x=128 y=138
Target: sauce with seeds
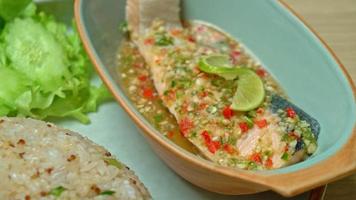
x=135 y=79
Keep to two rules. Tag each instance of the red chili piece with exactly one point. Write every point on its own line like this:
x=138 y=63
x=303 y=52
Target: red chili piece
x=202 y=106
x=213 y=146
x=229 y=149
x=295 y=136
x=147 y=93
x=203 y=94
x=260 y=111
x=149 y=41
x=138 y=65
x=286 y=148
x=243 y=126
x=261 y=72
x=206 y=136
x=142 y=78
x=261 y=123
x=269 y=163
x=170 y=134
x=256 y=157
x=191 y=38
x=234 y=55
x=290 y=112
x=227 y=112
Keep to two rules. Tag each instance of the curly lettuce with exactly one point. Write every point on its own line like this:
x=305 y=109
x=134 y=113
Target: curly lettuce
x=44 y=70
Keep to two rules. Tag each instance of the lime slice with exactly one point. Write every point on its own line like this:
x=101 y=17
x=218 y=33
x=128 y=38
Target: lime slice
x=219 y=65
x=250 y=92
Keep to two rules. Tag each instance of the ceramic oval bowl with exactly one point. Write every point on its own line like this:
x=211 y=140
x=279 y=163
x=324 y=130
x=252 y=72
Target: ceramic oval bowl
x=305 y=67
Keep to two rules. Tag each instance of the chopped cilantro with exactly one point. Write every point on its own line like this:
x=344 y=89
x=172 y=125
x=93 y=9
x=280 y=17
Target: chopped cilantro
x=232 y=140
x=163 y=40
x=193 y=134
x=267 y=153
x=166 y=92
x=285 y=156
x=158 y=118
x=217 y=82
x=285 y=137
x=57 y=191
x=252 y=165
x=184 y=83
x=179 y=94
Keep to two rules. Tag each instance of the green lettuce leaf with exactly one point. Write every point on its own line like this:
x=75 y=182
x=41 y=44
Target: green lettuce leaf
x=10 y=9
x=44 y=69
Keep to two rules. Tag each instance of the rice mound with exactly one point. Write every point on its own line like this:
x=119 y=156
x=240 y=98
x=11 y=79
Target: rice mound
x=41 y=161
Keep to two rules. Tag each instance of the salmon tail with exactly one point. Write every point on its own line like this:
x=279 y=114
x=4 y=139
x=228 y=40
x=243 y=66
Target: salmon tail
x=141 y=13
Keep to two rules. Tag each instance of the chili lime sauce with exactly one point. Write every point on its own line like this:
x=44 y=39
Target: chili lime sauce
x=192 y=92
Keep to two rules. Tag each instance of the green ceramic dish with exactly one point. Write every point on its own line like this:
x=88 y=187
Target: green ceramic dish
x=305 y=67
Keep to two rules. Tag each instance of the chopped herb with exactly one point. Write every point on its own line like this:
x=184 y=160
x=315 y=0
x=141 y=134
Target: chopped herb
x=252 y=165
x=211 y=109
x=248 y=121
x=57 y=191
x=179 y=94
x=217 y=82
x=113 y=162
x=251 y=114
x=107 y=192
x=193 y=135
x=232 y=140
x=184 y=83
x=267 y=153
x=158 y=118
x=285 y=138
x=173 y=83
x=123 y=27
x=166 y=92
x=285 y=156
x=163 y=40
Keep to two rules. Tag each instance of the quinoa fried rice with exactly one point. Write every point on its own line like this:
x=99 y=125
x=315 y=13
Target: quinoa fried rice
x=41 y=161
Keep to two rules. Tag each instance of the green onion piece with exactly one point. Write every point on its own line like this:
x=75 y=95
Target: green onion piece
x=163 y=40
x=158 y=118
x=193 y=135
x=248 y=121
x=251 y=114
x=285 y=156
x=252 y=165
x=107 y=192
x=114 y=162
x=57 y=191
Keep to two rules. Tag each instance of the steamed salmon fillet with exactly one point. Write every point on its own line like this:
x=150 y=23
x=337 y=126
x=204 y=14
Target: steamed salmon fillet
x=201 y=102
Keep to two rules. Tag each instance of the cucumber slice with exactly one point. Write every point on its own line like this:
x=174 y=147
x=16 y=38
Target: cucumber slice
x=42 y=59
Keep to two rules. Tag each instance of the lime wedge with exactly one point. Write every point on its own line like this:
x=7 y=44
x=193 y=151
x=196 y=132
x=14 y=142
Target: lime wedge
x=219 y=65
x=250 y=92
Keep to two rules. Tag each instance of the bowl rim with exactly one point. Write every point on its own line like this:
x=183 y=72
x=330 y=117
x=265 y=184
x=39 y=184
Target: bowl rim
x=297 y=184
